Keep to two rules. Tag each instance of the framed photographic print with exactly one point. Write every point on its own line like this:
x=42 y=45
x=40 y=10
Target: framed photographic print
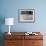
x=26 y=15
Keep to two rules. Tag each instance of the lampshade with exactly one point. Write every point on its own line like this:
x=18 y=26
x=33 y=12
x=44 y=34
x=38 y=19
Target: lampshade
x=9 y=21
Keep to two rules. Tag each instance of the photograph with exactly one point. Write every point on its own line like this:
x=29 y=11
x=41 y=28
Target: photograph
x=26 y=15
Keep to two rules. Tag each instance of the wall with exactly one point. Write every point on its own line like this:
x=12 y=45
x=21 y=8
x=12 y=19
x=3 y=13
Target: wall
x=9 y=8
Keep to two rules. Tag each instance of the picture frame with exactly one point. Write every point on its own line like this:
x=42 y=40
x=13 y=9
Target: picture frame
x=26 y=15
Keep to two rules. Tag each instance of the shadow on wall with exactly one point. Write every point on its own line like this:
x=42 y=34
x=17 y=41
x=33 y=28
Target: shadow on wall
x=2 y=21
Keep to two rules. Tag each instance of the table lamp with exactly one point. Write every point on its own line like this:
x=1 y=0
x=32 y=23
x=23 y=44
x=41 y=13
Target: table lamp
x=9 y=21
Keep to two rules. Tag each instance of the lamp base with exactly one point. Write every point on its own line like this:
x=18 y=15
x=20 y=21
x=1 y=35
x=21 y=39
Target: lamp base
x=9 y=33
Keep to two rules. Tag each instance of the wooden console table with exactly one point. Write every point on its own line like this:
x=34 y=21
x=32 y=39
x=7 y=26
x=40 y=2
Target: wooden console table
x=20 y=39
